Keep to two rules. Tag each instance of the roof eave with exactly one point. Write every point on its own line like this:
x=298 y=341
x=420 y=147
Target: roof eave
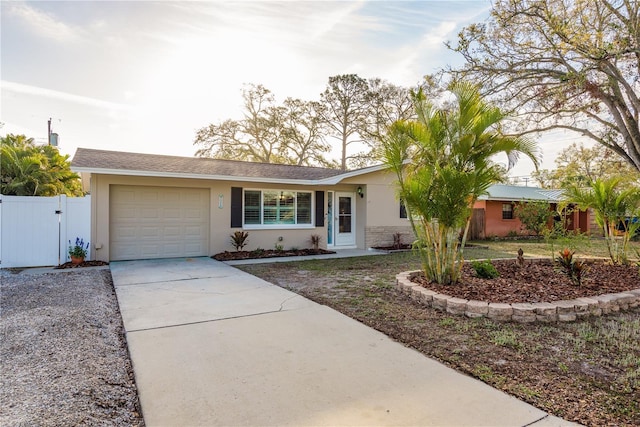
x=337 y=178
x=158 y=174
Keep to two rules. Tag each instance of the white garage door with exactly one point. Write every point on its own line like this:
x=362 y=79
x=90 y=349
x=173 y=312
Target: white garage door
x=158 y=222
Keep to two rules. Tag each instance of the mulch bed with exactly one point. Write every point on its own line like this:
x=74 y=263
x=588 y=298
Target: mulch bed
x=268 y=253
x=538 y=281
x=82 y=264
x=402 y=247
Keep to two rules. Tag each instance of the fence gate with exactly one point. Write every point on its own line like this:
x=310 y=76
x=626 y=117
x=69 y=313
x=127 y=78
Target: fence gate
x=34 y=231
x=476 y=230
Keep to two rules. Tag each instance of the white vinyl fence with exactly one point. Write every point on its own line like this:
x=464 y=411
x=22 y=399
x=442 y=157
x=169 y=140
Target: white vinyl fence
x=35 y=231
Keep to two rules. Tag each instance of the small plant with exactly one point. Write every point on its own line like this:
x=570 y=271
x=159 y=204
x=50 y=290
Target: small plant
x=257 y=252
x=485 y=269
x=315 y=241
x=563 y=367
x=520 y=259
x=278 y=247
x=574 y=269
x=397 y=240
x=79 y=249
x=447 y=321
x=505 y=338
x=239 y=240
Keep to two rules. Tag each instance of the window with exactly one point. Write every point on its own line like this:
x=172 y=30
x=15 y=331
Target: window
x=507 y=211
x=403 y=209
x=271 y=207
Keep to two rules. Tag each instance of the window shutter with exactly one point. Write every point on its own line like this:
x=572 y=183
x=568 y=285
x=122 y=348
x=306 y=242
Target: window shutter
x=236 y=207
x=319 y=208
x=403 y=210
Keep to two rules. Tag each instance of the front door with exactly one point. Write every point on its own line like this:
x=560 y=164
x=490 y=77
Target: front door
x=344 y=219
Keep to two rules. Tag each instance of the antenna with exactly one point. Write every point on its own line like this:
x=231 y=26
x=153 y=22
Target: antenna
x=52 y=138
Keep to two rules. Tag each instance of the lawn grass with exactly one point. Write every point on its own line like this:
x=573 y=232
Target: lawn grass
x=584 y=247
x=587 y=371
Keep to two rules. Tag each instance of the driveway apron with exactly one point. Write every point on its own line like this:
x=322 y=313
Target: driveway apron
x=214 y=346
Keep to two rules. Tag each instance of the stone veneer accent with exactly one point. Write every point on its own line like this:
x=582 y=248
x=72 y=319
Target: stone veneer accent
x=383 y=235
x=558 y=311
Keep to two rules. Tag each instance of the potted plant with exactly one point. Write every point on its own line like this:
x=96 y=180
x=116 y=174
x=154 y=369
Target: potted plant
x=78 y=251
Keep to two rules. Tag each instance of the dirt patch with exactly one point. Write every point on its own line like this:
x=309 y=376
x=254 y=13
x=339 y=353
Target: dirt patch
x=63 y=352
x=538 y=281
x=268 y=253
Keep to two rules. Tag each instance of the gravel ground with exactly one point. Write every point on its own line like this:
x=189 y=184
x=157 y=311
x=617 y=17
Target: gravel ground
x=63 y=353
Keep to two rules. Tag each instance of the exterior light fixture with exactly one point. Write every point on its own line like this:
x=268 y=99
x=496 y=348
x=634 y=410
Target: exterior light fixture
x=360 y=192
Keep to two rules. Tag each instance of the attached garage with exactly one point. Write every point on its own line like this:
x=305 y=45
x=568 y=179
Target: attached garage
x=158 y=222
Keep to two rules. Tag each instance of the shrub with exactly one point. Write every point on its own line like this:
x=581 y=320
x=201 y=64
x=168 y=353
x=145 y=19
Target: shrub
x=239 y=239
x=278 y=247
x=534 y=215
x=512 y=234
x=485 y=269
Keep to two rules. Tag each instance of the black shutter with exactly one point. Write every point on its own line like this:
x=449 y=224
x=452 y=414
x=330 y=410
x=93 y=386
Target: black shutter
x=319 y=208
x=236 y=207
x=403 y=209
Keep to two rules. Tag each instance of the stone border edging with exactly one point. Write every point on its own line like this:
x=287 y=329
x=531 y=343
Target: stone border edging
x=562 y=311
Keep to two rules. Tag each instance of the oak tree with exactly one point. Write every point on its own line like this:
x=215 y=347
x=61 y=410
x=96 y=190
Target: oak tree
x=581 y=166
x=562 y=64
x=254 y=138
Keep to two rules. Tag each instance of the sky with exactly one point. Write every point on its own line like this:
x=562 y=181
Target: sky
x=143 y=76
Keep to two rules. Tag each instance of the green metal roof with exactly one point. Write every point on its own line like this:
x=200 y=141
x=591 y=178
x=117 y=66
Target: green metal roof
x=516 y=192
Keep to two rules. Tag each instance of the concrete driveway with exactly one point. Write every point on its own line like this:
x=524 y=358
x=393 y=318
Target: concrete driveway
x=214 y=346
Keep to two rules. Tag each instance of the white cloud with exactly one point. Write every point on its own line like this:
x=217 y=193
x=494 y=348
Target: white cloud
x=48 y=93
x=45 y=25
x=435 y=37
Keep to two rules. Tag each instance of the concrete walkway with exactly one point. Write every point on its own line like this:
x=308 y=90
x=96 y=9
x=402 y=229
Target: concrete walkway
x=214 y=346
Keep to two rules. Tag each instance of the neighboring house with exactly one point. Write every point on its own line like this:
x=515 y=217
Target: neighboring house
x=152 y=206
x=494 y=214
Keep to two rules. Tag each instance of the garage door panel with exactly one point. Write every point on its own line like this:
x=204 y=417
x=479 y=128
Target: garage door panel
x=127 y=213
x=148 y=196
x=148 y=214
x=193 y=231
x=172 y=232
x=174 y=213
x=150 y=232
x=127 y=196
x=150 y=251
x=124 y=250
x=158 y=222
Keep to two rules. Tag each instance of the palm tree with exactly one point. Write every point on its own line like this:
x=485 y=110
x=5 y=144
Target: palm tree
x=31 y=170
x=612 y=206
x=443 y=163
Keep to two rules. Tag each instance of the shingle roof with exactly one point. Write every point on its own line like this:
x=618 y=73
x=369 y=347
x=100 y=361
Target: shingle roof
x=514 y=192
x=102 y=161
